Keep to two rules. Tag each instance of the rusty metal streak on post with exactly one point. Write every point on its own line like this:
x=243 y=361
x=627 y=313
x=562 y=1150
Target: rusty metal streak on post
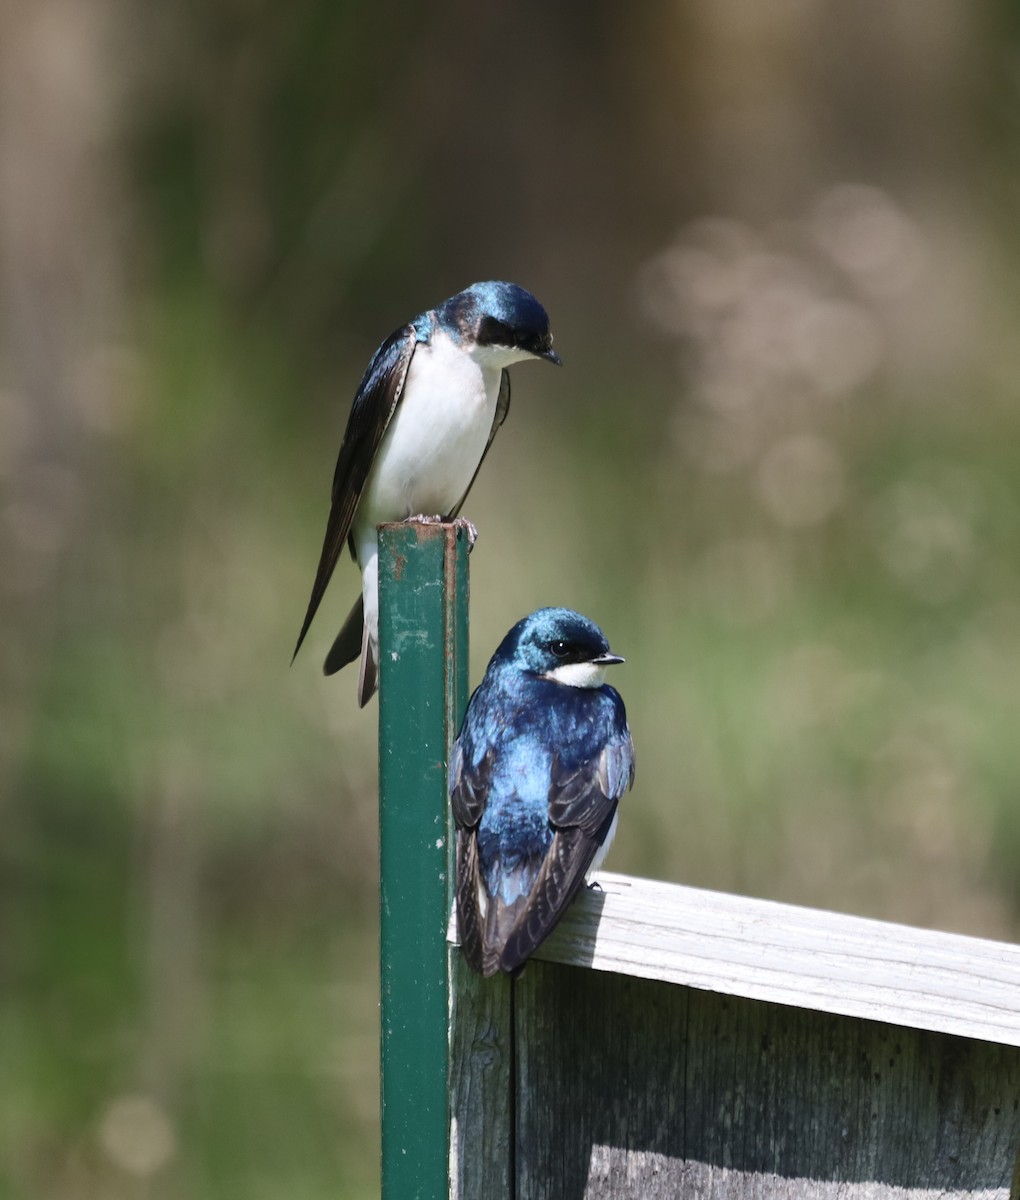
x=423 y=674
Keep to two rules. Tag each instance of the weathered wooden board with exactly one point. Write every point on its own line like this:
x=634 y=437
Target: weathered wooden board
x=481 y=1105
x=810 y=958
x=638 y=1090
x=728 y=1047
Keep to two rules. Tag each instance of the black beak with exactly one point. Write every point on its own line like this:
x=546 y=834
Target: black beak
x=607 y=660
x=552 y=356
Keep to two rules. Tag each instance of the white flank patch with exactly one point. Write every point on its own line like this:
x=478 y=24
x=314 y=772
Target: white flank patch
x=603 y=850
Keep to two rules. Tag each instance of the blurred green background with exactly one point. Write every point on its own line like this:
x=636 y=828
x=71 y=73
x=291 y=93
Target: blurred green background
x=778 y=243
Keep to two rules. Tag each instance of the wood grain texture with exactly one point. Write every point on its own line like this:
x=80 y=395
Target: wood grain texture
x=637 y=1090
x=480 y=1071
x=805 y=957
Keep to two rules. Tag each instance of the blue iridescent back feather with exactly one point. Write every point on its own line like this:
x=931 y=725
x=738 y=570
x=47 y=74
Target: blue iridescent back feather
x=527 y=721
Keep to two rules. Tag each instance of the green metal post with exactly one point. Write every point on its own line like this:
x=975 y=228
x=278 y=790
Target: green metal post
x=423 y=679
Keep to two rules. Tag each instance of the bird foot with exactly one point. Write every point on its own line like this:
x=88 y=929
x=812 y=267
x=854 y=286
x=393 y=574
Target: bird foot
x=594 y=886
x=423 y=519
x=458 y=523
x=470 y=530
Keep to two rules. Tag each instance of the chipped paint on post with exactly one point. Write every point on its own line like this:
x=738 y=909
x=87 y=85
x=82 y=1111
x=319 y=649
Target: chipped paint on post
x=423 y=638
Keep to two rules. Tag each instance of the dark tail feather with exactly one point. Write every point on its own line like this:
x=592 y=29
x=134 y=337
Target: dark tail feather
x=350 y=643
x=559 y=880
x=347 y=643
x=500 y=923
x=368 y=677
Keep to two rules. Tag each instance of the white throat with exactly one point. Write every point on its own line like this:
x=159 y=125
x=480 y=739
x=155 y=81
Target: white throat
x=579 y=675
x=498 y=356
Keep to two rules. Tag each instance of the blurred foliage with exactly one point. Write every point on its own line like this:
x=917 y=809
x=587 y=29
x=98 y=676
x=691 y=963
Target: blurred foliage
x=777 y=242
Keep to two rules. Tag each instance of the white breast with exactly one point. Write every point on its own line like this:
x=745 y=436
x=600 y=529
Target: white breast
x=436 y=438
x=431 y=449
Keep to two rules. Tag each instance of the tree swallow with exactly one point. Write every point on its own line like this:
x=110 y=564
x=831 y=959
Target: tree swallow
x=421 y=424
x=536 y=777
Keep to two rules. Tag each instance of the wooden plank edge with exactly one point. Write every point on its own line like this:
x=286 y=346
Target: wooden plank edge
x=786 y=954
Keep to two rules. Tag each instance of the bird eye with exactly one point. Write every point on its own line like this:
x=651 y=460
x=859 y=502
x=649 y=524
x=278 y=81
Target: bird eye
x=492 y=332
x=560 y=649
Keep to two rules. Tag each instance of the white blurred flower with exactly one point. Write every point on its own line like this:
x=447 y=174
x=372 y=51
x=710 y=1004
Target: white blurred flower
x=866 y=234
x=137 y=1135
x=800 y=480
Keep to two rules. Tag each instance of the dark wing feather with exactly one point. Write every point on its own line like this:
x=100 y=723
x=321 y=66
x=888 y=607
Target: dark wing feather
x=371 y=411
x=563 y=870
x=470 y=920
x=582 y=803
x=502 y=408
x=469 y=790
x=469 y=787
x=584 y=795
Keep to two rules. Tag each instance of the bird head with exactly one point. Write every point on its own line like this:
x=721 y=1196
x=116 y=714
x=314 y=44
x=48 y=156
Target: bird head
x=502 y=319
x=560 y=645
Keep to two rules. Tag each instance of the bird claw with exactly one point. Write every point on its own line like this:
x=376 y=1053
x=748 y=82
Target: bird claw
x=423 y=519
x=470 y=530
x=594 y=886
x=461 y=523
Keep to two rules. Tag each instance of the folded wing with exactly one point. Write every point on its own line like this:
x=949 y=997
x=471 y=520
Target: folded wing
x=500 y=931
x=371 y=412
x=582 y=805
